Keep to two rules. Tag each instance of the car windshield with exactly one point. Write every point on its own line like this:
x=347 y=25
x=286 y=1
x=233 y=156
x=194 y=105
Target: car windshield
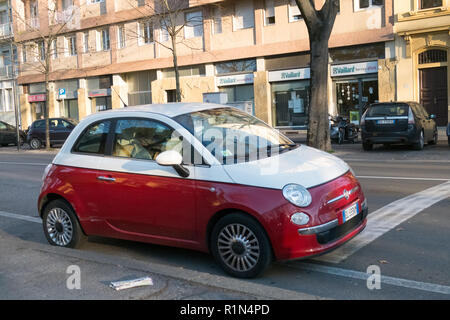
x=388 y=110
x=234 y=136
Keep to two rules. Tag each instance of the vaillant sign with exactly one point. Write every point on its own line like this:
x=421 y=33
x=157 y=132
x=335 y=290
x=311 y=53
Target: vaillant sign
x=354 y=68
x=292 y=74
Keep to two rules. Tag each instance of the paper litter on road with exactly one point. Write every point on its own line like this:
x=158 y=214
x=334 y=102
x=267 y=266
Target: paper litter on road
x=126 y=284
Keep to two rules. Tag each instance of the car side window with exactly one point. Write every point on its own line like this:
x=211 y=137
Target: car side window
x=93 y=139
x=39 y=124
x=144 y=139
x=2 y=126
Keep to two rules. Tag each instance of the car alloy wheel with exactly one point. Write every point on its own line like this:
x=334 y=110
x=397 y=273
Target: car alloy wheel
x=238 y=247
x=35 y=143
x=59 y=227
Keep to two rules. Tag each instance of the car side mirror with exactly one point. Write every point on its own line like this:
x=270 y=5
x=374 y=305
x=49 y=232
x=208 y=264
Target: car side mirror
x=172 y=158
x=432 y=116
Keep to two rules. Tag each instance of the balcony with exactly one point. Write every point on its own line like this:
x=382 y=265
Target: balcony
x=6 y=30
x=6 y=72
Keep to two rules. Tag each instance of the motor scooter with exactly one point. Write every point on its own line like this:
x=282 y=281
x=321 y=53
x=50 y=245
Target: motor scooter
x=341 y=129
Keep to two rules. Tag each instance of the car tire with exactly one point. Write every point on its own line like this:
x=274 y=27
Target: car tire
x=236 y=232
x=367 y=146
x=449 y=141
x=435 y=139
x=35 y=143
x=61 y=226
x=419 y=145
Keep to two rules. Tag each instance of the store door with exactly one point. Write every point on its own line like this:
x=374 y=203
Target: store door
x=433 y=93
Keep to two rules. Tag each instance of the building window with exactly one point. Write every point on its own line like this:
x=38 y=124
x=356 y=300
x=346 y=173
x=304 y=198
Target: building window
x=145 y=33
x=71 y=45
x=217 y=19
x=433 y=56
x=294 y=12
x=55 y=49
x=95 y=1
x=165 y=25
x=193 y=24
x=66 y=4
x=41 y=50
x=365 y=4
x=190 y=71
x=86 y=42
x=237 y=66
x=427 y=4
x=269 y=12
x=121 y=37
x=24 y=54
x=104 y=41
x=243 y=15
x=34 y=14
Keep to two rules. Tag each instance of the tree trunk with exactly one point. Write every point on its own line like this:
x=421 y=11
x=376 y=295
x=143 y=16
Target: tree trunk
x=318 y=127
x=175 y=67
x=46 y=113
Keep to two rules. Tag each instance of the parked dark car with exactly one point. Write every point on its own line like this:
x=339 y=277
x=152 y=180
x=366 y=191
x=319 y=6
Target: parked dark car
x=59 y=128
x=398 y=123
x=8 y=134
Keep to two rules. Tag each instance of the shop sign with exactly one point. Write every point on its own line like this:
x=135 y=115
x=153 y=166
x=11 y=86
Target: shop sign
x=354 y=68
x=99 y=93
x=287 y=75
x=235 y=80
x=37 y=97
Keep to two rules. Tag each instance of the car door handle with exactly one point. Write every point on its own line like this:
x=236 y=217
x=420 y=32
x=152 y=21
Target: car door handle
x=106 y=178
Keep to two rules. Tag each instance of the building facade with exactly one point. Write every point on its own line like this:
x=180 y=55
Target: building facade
x=255 y=51
x=422 y=41
x=8 y=67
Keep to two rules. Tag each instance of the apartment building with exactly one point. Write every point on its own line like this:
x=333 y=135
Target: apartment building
x=255 y=51
x=8 y=59
x=422 y=41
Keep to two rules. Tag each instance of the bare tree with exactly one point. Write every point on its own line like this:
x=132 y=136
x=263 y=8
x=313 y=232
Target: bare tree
x=320 y=24
x=170 y=16
x=43 y=47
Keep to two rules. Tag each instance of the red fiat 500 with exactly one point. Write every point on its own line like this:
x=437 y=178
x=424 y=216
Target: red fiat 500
x=203 y=177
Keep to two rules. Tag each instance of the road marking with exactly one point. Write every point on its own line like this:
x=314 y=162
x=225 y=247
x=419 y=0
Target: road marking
x=25 y=163
x=388 y=217
x=411 y=284
x=403 y=178
x=20 y=217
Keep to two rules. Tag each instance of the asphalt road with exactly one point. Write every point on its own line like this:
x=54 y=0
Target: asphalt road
x=407 y=238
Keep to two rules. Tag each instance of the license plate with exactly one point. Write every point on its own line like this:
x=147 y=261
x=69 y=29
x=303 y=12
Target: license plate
x=350 y=212
x=385 y=121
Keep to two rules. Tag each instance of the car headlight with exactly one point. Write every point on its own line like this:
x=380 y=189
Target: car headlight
x=300 y=218
x=297 y=195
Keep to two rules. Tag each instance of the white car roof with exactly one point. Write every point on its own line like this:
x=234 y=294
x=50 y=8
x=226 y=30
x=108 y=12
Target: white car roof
x=169 y=109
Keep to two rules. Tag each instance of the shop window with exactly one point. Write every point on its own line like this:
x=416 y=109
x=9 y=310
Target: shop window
x=171 y=96
x=433 y=56
x=366 y=4
x=239 y=93
x=103 y=82
x=139 y=87
x=427 y=4
x=237 y=66
x=243 y=15
x=291 y=103
x=102 y=103
x=189 y=71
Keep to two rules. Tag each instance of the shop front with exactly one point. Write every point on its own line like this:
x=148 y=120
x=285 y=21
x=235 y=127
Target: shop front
x=355 y=86
x=99 y=93
x=290 y=91
x=67 y=95
x=239 y=90
x=37 y=104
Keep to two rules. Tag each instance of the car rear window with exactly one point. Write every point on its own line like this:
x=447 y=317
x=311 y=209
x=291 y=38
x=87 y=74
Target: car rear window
x=388 y=110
